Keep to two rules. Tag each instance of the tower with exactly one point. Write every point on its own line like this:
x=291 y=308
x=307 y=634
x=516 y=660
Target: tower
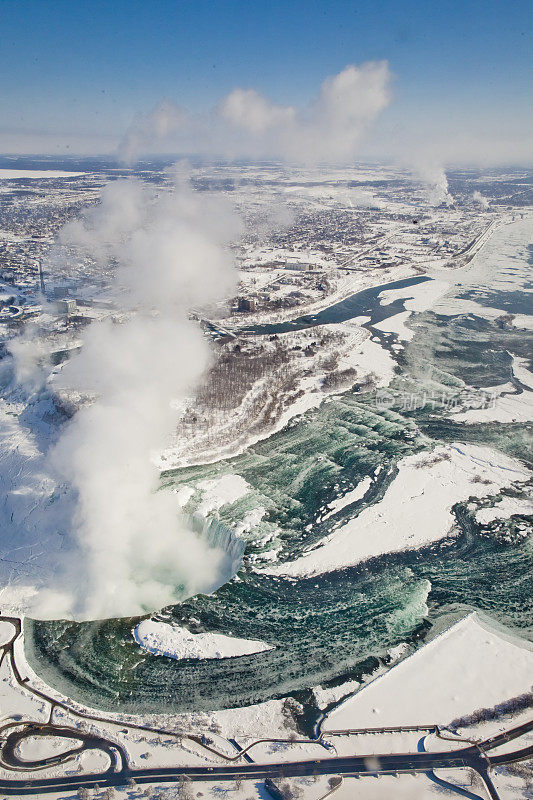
x=41 y=275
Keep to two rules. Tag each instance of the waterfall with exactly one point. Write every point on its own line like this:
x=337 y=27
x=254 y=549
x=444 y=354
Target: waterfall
x=220 y=536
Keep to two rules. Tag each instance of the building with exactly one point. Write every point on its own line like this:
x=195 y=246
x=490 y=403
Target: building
x=41 y=276
x=300 y=266
x=66 y=307
x=246 y=304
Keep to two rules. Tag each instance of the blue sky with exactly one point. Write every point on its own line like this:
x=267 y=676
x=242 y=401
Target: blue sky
x=76 y=71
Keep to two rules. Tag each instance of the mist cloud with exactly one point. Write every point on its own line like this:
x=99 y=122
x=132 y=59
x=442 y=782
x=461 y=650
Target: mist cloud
x=170 y=256
x=124 y=550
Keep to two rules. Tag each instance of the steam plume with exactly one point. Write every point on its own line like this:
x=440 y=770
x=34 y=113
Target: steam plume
x=433 y=176
x=170 y=257
x=129 y=552
x=477 y=197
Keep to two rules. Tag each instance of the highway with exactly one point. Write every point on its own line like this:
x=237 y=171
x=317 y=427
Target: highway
x=371 y=764
x=358 y=766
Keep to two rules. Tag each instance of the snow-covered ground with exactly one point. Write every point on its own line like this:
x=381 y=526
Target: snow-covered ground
x=472 y=664
x=346 y=284
x=177 y=642
x=363 y=354
x=416 y=508
x=11 y=174
x=356 y=351
x=523 y=322
x=504 y=509
x=501 y=265
x=422 y=297
x=469 y=666
x=219 y=492
x=507 y=405
x=521 y=371
x=348 y=498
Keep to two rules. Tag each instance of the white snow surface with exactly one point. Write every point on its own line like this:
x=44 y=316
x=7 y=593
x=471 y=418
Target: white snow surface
x=11 y=174
x=505 y=509
x=521 y=372
x=348 y=498
x=365 y=356
x=469 y=666
x=173 y=641
x=523 y=321
x=416 y=508
x=421 y=297
x=219 y=492
x=396 y=324
x=512 y=407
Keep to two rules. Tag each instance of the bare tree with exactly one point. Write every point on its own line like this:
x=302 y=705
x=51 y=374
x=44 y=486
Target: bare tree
x=185 y=788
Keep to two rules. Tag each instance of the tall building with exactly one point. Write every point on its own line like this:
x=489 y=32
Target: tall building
x=41 y=275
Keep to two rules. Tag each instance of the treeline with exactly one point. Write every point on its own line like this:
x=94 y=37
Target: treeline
x=513 y=706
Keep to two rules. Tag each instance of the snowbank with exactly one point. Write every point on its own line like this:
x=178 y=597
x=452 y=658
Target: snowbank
x=467 y=667
x=364 y=356
x=416 y=508
x=396 y=324
x=513 y=407
x=173 y=641
x=222 y=491
x=421 y=295
x=523 y=322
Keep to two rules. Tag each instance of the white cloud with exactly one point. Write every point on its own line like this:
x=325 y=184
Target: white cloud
x=247 y=124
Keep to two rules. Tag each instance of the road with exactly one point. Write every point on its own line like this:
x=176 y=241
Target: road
x=361 y=765
x=10 y=759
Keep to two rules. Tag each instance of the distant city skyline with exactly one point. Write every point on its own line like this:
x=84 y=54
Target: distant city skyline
x=458 y=84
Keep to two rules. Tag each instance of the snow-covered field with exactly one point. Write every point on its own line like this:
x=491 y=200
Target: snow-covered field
x=11 y=174
x=469 y=666
x=416 y=508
